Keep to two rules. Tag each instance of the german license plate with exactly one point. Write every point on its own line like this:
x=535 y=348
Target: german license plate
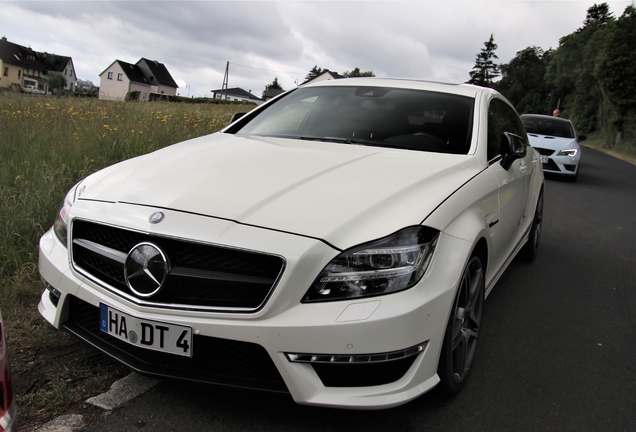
x=153 y=335
x=544 y=159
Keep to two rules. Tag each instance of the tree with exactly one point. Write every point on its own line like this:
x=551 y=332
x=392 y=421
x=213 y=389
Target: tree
x=273 y=86
x=573 y=72
x=314 y=72
x=56 y=82
x=523 y=81
x=357 y=73
x=132 y=96
x=485 y=70
x=597 y=15
x=616 y=71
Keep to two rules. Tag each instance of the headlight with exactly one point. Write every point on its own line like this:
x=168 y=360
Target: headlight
x=384 y=266
x=59 y=226
x=568 y=152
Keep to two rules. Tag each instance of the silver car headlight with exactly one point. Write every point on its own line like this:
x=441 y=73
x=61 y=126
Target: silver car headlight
x=568 y=152
x=383 y=266
x=60 y=224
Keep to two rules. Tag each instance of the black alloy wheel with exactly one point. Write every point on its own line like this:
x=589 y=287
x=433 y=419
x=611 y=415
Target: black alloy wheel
x=462 y=332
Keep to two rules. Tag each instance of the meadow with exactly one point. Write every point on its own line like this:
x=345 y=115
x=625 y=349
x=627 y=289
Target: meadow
x=46 y=146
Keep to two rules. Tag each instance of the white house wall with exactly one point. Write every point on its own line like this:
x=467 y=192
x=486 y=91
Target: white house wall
x=112 y=89
x=69 y=74
x=167 y=90
x=143 y=89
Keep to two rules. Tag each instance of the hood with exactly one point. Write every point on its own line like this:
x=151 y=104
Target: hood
x=342 y=194
x=552 y=142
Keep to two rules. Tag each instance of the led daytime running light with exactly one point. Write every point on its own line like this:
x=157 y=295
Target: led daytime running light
x=368 y=275
x=356 y=358
x=388 y=251
x=568 y=152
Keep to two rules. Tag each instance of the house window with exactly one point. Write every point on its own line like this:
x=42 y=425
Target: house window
x=110 y=75
x=6 y=71
x=120 y=77
x=19 y=72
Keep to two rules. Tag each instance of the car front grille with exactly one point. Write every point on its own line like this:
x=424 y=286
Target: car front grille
x=200 y=276
x=551 y=166
x=544 y=151
x=214 y=360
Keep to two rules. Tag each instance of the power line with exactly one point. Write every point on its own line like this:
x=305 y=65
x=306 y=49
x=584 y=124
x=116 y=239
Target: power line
x=269 y=70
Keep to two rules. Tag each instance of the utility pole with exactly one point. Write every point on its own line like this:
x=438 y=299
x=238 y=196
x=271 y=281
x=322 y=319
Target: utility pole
x=224 y=86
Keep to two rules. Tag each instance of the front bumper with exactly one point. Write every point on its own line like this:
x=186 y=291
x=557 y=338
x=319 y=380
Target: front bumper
x=564 y=165
x=384 y=324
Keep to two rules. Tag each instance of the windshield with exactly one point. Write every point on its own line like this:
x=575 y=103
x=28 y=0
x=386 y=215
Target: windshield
x=384 y=117
x=549 y=126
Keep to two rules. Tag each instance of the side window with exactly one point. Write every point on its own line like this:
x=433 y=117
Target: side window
x=496 y=126
x=502 y=118
x=513 y=123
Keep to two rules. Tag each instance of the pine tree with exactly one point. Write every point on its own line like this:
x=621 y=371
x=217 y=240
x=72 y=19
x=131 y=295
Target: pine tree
x=358 y=73
x=485 y=70
x=314 y=72
x=275 y=85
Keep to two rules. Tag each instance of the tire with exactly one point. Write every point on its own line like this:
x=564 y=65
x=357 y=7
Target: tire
x=462 y=331
x=530 y=249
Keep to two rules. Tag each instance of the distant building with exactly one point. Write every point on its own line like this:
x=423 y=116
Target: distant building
x=236 y=94
x=324 y=76
x=86 y=86
x=20 y=67
x=157 y=74
x=270 y=94
x=149 y=77
x=24 y=68
x=60 y=64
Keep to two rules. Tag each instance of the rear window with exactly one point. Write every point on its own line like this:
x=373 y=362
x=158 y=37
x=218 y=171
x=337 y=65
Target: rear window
x=384 y=117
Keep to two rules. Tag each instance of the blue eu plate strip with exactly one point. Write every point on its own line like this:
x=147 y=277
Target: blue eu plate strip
x=103 y=317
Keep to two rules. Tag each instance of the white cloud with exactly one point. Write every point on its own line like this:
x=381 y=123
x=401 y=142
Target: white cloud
x=427 y=39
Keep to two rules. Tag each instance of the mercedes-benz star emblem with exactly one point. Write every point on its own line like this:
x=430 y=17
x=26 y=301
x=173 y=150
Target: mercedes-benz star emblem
x=156 y=217
x=146 y=269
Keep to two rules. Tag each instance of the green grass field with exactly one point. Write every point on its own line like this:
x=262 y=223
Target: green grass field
x=46 y=146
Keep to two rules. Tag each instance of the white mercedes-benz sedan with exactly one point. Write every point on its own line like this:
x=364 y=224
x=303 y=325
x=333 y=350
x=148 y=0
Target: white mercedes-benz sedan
x=336 y=243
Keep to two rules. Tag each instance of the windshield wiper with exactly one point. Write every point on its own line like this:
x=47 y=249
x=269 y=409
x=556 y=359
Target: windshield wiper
x=332 y=139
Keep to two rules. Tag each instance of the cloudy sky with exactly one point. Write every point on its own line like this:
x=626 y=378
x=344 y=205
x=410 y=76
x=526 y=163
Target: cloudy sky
x=428 y=39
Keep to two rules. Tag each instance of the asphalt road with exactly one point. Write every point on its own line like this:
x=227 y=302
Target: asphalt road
x=557 y=352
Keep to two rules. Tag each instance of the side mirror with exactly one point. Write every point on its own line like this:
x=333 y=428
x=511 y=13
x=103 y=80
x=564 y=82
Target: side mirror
x=237 y=116
x=513 y=147
x=582 y=138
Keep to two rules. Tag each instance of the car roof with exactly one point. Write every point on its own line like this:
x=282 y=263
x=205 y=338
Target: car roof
x=545 y=117
x=405 y=83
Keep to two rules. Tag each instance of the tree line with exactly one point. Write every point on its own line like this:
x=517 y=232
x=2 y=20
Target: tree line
x=317 y=71
x=590 y=77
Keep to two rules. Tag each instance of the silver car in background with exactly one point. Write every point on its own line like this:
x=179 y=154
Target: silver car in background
x=556 y=140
